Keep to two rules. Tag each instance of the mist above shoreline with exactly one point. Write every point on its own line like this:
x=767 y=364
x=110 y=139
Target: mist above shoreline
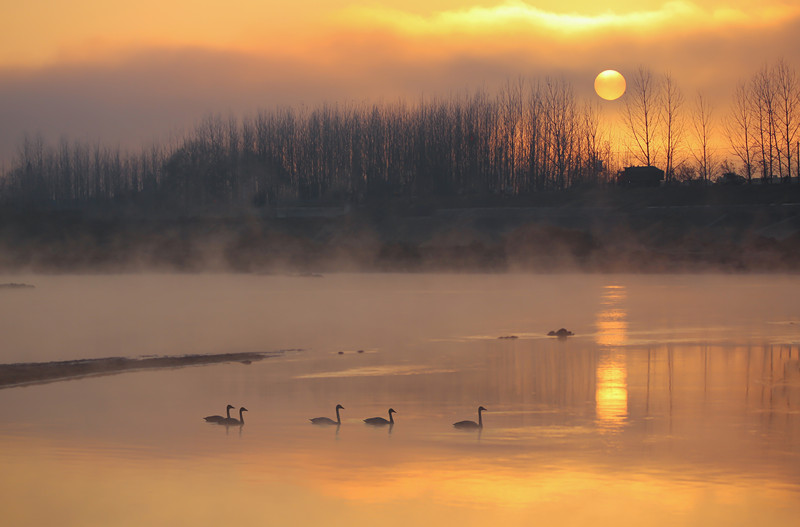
x=641 y=231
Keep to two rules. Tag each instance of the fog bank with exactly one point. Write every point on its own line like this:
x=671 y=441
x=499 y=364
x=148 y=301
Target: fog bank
x=622 y=230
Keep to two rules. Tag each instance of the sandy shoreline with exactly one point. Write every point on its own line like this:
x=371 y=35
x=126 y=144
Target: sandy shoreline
x=23 y=374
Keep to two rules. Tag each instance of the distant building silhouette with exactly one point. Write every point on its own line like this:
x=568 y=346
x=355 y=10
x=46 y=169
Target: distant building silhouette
x=731 y=178
x=640 y=176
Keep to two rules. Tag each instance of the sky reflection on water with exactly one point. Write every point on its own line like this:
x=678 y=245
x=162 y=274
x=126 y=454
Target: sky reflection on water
x=606 y=427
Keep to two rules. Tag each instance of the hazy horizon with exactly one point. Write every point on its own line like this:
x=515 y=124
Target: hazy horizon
x=125 y=79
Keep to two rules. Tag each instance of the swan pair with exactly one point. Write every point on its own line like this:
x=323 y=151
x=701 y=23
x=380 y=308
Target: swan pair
x=228 y=420
x=374 y=421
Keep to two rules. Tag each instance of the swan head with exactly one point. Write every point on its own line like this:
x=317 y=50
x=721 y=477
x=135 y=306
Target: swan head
x=392 y=411
x=243 y=409
x=230 y=407
x=339 y=406
x=482 y=409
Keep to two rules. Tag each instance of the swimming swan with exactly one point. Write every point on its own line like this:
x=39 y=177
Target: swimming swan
x=471 y=425
x=380 y=421
x=218 y=418
x=328 y=420
x=233 y=421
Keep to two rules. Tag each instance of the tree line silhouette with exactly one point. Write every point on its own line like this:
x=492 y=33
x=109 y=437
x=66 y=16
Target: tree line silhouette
x=529 y=136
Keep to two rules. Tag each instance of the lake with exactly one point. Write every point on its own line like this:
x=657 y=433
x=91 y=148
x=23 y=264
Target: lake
x=676 y=401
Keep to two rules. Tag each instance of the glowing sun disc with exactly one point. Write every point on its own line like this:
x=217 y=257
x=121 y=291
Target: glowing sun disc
x=609 y=85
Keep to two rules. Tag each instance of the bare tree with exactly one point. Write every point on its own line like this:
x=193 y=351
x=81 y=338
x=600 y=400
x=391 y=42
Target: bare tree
x=787 y=90
x=560 y=117
x=537 y=151
x=739 y=128
x=590 y=151
x=642 y=115
x=672 y=101
x=703 y=130
x=511 y=127
x=763 y=101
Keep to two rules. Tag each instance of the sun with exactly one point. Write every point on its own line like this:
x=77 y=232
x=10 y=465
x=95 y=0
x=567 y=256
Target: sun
x=609 y=85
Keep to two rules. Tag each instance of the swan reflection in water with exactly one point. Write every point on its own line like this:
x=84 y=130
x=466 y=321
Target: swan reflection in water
x=472 y=425
x=218 y=418
x=232 y=421
x=328 y=420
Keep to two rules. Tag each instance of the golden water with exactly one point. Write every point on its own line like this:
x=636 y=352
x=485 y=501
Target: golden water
x=676 y=402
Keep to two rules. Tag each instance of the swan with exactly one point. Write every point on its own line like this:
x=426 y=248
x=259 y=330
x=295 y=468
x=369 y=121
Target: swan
x=328 y=420
x=233 y=421
x=218 y=418
x=380 y=421
x=471 y=425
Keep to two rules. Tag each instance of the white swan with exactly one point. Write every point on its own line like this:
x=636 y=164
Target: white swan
x=472 y=425
x=328 y=420
x=380 y=421
x=218 y=418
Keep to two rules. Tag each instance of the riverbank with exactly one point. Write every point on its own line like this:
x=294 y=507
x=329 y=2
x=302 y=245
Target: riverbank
x=23 y=374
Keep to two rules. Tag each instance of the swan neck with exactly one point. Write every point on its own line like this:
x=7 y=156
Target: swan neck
x=480 y=418
x=391 y=418
x=241 y=417
x=228 y=412
x=338 y=419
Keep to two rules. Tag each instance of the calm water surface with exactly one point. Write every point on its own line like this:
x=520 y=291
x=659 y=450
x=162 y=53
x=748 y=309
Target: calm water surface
x=676 y=402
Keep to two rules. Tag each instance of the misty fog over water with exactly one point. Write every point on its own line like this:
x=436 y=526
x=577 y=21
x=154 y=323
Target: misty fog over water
x=84 y=316
x=675 y=402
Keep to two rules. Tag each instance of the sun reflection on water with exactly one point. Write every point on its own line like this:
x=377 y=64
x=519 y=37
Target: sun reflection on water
x=611 y=391
x=611 y=395
x=612 y=323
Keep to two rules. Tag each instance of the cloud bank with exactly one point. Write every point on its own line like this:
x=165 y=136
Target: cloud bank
x=522 y=16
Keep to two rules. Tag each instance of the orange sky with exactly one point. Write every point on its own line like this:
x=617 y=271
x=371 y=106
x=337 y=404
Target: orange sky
x=130 y=72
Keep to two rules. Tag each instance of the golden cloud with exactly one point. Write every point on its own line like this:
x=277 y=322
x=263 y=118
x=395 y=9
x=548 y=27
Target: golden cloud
x=521 y=16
